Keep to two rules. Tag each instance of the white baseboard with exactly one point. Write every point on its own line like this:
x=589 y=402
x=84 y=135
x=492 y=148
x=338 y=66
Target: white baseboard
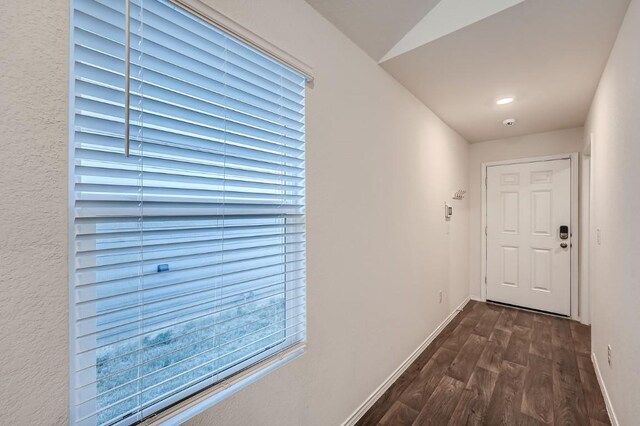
x=605 y=394
x=477 y=298
x=362 y=409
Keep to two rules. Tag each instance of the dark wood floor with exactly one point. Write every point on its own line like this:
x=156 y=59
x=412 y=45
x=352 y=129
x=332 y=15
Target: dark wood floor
x=494 y=365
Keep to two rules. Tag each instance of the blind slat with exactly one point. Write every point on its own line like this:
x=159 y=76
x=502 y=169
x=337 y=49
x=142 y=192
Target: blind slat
x=174 y=377
x=96 y=175
x=96 y=145
x=128 y=366
x=184 y=81
x=260 y=328
x=194 y=267
x=203 y=168
x=294 y=272
x=186 y=122
x=177 y=65
x=197 y=36
x=88 y=360
x=169 y=249
x=160 y=328
x=155 y=333
x=162 y=101
x=93 y=80
x=186 y=304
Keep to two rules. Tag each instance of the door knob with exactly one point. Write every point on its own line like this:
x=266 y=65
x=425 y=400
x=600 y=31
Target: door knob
x=563 y=245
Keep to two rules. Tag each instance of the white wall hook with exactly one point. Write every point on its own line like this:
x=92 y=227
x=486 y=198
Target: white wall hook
x=459 y=194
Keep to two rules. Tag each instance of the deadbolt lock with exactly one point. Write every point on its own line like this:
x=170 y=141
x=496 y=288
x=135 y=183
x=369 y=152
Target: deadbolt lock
x=564 y=232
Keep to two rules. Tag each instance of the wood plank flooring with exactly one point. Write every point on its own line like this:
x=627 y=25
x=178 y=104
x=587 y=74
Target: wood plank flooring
x=494 y=365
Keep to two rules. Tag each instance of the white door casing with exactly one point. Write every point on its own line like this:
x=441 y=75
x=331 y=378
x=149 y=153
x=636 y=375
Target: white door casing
x=526 y=205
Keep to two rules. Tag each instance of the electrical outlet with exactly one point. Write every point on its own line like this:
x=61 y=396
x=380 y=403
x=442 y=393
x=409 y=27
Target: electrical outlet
x=609 y=355
x=440 y=296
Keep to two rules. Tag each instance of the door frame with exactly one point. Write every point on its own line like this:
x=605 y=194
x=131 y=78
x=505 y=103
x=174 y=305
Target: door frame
x=575 y=224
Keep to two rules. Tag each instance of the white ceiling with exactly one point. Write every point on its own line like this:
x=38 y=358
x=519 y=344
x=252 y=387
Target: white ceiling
x=374 y=25
x=549 y=54
x=446 y=17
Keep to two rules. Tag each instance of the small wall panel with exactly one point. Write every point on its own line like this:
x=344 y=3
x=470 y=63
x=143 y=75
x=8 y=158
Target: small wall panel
x=541 y=177
x=541 y=213
x=541 y=269
x=510 y=179
x=510 y=212
x=510 y=266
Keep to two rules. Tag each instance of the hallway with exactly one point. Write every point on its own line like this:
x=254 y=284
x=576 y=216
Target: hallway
x=495 y=365
x=294 y=212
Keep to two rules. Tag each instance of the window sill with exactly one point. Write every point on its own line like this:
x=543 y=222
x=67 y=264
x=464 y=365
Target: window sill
x=201 y=401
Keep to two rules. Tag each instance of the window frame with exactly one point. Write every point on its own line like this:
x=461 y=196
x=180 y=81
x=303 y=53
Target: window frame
x=197 y=398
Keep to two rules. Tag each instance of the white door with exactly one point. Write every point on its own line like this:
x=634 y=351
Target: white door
x=528 y=263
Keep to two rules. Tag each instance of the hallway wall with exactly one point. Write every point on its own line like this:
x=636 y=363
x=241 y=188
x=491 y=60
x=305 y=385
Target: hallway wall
x=536 y=145
x=613 y=129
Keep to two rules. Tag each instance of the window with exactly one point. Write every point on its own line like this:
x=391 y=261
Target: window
x=187 y=254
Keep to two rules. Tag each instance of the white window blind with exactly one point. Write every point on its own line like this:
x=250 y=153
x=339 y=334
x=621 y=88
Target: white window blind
x=188 y=255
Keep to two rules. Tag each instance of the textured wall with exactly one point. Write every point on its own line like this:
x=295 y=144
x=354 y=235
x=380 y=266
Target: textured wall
x=380 y=166
x=536 y=145
x=613 y=129
x=33 y=217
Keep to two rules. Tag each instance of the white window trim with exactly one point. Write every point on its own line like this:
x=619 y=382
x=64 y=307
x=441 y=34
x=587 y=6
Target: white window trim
x=216 y=18
x=204 y=399
x=177 y=411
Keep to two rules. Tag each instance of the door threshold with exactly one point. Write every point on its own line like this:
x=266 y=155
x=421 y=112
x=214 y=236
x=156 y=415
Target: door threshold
x=538 y=311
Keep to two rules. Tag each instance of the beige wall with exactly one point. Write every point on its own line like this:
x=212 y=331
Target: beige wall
x=614 y=127
x=536 y=145
x=33 y=212
x=380 y=166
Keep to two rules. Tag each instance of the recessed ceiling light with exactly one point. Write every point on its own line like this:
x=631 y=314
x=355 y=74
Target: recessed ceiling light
x=505 y=101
